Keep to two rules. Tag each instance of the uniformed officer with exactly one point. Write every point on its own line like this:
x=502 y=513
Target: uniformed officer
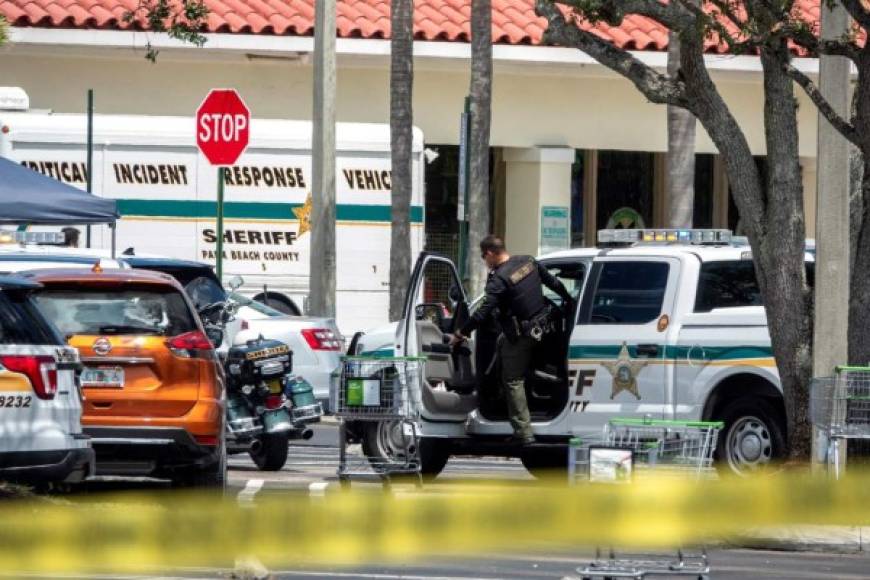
x=514 y=286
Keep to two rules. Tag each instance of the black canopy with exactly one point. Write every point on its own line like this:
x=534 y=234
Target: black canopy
x=29 y=197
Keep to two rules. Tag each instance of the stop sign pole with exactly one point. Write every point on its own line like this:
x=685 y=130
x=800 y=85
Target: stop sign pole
x=223 y=124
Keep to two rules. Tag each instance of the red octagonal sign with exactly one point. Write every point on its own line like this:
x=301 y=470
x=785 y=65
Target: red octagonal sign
x=222 y=126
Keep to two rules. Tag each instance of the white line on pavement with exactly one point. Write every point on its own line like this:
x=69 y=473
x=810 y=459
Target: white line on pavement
x=314 y=574
x=318 y=488
x=246 y=496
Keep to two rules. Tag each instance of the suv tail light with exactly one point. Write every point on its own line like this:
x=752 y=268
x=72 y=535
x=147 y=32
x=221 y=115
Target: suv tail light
x=321 y=339
x=193 y=344
x=41 y=370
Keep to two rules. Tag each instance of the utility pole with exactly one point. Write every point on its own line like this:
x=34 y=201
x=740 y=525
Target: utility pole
x=831 y=325
x=322 y=259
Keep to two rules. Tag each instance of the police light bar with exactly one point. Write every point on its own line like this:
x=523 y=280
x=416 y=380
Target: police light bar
x=659 y=236
x=56 y=238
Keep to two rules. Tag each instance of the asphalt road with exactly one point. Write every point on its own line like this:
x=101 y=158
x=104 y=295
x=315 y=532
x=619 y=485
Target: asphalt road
x=311 y=468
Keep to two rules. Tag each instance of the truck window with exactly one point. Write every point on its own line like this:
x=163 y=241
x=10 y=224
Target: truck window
x=571 y=274
x=727 y=285
x=629 y=293
x=732 y=284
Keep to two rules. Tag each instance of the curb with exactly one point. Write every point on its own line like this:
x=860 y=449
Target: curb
x=839 y=539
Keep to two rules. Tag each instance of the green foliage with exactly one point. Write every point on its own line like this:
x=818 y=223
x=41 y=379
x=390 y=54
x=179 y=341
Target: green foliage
x=4 y=31
x=596 y=11
x=182 y=19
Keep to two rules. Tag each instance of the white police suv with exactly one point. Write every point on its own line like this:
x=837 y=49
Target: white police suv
x=666 y=324
x=41 y=438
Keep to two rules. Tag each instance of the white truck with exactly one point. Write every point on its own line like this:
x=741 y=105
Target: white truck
x=167 y=191
x=669 y=328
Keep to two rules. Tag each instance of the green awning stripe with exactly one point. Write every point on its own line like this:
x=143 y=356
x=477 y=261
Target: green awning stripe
x=196 y=209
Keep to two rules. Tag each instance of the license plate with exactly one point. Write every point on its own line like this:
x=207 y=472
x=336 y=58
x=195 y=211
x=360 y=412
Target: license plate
x=103 y=377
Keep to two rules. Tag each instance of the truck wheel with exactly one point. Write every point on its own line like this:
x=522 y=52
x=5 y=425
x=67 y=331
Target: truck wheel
x=271 y=453
x=384 y=443
x=545 y=463
x=753 y=436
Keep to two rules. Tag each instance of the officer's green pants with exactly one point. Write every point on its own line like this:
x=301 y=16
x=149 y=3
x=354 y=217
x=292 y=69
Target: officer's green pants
x=516 y=356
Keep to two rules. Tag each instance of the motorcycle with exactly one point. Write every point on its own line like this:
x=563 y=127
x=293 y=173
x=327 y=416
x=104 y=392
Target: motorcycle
x=266 y=405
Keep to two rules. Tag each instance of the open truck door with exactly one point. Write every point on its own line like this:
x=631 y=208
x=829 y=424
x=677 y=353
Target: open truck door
x=435 y=307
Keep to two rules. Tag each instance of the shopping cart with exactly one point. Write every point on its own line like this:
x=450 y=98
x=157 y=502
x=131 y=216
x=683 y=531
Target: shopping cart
x=384 y=392
x=840 y=407
x=629 y=449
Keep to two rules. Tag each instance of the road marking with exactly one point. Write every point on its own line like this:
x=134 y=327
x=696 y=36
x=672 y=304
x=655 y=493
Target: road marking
x=246 y=496
x=371 y=576
x=318 y=488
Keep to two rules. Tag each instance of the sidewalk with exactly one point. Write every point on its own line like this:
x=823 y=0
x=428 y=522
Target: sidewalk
x=841 y=539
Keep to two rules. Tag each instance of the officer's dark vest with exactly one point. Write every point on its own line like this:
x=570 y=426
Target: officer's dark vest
x=525 y=297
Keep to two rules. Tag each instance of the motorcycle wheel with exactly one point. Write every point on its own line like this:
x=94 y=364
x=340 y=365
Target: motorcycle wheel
x=272 y=453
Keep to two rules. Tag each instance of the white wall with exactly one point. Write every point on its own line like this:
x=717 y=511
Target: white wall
x=580 y=107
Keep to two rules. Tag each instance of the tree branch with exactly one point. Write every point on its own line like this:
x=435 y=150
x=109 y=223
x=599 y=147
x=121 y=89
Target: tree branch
x=856 y=9
x=657 y=87
x=801 y=35
x=839 y=123
x=668 y=14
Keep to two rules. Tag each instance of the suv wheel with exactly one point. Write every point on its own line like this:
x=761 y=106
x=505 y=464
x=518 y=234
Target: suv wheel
x=213 y=476
x=753 y=436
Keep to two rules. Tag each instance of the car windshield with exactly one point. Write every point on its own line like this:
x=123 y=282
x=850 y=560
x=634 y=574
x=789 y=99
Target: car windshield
x=204 y=291
x=254 y=305
x=151 y=309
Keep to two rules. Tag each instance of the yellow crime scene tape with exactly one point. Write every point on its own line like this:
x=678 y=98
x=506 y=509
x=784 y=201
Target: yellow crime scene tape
x=134 y=533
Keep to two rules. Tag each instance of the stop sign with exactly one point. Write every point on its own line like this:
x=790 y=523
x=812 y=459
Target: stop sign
x=222 y=126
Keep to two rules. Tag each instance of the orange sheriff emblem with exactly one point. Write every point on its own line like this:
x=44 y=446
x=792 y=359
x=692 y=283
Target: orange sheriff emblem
x=624 y=371
x=303 y=214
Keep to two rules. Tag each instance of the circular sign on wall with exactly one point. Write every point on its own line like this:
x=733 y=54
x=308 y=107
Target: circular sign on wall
x=625 y=218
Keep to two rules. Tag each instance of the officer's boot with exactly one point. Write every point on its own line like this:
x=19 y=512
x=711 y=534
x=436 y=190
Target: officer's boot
x=518 y=410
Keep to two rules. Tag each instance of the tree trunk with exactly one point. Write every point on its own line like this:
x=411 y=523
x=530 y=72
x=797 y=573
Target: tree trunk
x=680 y=193
x=401 y=143
x=478 y=210
x=859 y=287
x=780 y=262
x=774 y=220
x=772 y=210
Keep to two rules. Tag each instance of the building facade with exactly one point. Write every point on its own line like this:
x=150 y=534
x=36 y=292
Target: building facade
x=575 y=148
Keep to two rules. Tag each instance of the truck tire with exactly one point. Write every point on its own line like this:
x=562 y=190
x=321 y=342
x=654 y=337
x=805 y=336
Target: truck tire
x=384 y=443
x=271 y=455
x=545 y=463
x=753 y=438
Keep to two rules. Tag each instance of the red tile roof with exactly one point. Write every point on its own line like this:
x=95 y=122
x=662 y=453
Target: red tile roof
x=514 y=21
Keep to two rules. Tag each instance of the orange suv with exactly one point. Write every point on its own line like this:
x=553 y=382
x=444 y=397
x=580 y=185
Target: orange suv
x=154 y=400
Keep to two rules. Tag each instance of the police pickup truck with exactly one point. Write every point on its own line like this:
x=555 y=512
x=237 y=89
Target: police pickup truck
x=665 y=324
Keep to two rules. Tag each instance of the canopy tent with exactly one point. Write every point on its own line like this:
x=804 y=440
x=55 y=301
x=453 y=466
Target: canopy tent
x=28 y=197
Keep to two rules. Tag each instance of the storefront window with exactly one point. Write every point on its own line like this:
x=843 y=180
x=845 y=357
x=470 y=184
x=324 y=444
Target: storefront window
x=703 y=209
x=625 y=189
x=578 y=176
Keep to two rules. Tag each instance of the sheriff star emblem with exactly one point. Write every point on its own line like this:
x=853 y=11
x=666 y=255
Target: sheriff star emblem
x=303 y=214
x=624 y=371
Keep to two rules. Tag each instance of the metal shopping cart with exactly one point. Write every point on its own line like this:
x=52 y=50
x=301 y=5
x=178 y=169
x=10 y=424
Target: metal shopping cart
x=840 y=407
x=629 y=449
x=386 y=392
